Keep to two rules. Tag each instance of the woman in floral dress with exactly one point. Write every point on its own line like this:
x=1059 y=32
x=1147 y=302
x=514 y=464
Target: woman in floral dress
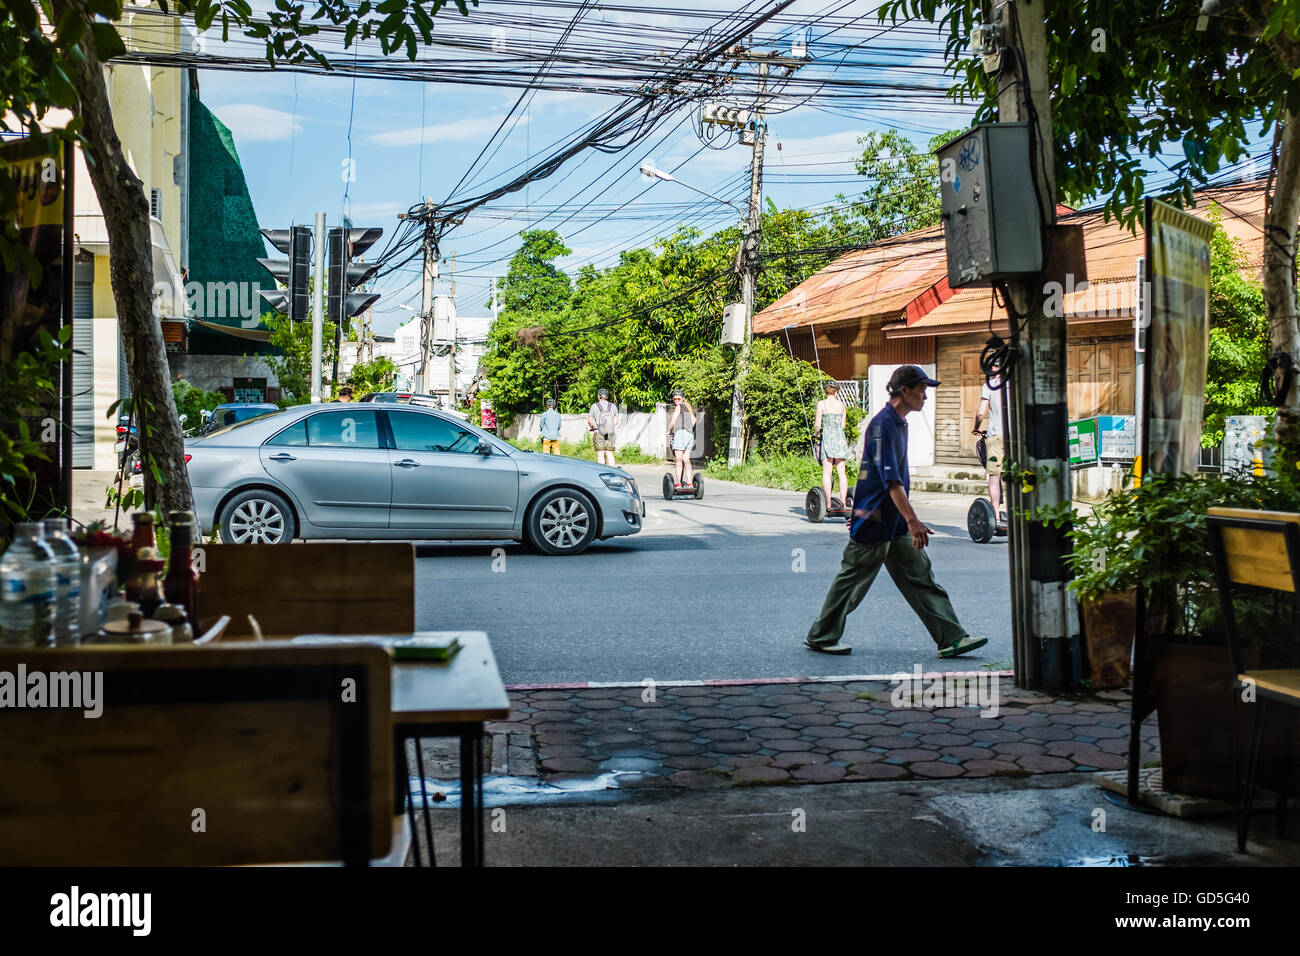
x=829 y=429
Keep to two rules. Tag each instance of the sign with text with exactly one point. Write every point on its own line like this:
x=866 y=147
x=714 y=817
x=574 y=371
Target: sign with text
x=1083 y=441
x=1178 y=337
x=1117 y=436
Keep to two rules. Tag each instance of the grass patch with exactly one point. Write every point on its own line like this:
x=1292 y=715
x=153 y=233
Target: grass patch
x=786 y=472
x=627 y=455
x=865 y=695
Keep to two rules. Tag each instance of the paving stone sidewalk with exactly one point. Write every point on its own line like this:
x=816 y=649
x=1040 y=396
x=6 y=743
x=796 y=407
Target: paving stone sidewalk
x=720 y=735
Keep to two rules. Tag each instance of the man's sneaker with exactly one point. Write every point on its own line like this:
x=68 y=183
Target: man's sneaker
x=835 y=648
x=962 y=646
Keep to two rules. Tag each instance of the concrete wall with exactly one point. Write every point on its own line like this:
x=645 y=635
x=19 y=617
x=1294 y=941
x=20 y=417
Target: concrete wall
x=211 y=372
x=648 y=430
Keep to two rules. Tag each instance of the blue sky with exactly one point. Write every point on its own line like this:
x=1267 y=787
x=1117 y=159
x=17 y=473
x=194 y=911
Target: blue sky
x=407 y=140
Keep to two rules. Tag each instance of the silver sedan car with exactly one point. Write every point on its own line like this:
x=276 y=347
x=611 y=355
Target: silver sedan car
x=397 y=471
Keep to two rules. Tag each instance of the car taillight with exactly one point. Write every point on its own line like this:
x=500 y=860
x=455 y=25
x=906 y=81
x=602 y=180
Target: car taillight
x=187 y=459
x=120 y=430
x=136 y=467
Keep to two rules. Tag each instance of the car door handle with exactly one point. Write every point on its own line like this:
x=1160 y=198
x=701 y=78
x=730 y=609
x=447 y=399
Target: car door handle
x=407 y=463
x=283 y=457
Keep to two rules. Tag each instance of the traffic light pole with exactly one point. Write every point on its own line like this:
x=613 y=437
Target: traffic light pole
x=1046 y=625
x=318 y=307
x=426 y=308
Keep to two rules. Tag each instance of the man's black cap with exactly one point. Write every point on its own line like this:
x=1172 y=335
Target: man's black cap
x=908 y=376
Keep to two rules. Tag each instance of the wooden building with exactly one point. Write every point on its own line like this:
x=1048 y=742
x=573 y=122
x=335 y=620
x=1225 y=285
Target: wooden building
x=891 y=305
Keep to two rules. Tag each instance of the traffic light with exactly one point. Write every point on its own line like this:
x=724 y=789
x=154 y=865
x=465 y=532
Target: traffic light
x=344 y=276
x=291 y=272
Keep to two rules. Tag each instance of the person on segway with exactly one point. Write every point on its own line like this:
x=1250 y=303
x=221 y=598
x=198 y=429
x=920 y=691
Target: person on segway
x=681 y=434
x=990 y=413
x=828 y=428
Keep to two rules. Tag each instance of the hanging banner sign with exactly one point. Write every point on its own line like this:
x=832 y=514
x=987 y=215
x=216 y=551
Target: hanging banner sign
x=1177 y=315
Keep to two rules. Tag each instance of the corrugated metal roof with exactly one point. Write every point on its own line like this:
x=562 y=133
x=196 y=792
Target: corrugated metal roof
x=904 y=281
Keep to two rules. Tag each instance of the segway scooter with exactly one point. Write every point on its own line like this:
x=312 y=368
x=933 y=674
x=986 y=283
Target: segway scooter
x=981 y=522
x=673 y=490
x=818 y=508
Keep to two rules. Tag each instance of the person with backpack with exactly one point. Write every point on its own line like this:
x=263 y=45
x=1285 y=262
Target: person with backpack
x=681 y=433
x=602 y=422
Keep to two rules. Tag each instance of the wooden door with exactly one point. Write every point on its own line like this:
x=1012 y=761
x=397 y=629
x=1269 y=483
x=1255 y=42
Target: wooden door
x=972 y=383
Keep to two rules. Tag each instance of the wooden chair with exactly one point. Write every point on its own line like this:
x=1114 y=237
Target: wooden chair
x=220 y=755
x=313 y=587
x=1260 y=549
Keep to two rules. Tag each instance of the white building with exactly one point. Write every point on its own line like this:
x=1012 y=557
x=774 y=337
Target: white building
x=469 y=334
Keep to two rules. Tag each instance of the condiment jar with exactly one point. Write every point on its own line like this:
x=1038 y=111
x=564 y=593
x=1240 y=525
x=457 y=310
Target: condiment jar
x=173 y=615
x=136 y=629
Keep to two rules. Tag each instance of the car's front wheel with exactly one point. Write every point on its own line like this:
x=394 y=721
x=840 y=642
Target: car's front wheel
x=562 y=522
x=256 y=517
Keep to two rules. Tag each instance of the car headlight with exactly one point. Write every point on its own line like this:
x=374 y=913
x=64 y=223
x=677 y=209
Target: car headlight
x=615 y=482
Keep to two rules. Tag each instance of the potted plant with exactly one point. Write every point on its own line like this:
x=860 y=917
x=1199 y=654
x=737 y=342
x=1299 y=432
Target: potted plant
x=1154 y=537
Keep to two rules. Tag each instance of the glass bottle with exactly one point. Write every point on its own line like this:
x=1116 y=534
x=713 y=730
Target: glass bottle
x=149 y=565
x=181 y=585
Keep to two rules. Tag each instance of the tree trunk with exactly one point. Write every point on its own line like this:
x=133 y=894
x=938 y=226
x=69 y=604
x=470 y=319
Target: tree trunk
x=1280 y=222
x=126 y=216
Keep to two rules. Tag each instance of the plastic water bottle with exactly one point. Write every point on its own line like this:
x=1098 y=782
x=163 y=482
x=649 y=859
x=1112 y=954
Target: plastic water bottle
x=27 y=589
x=67 y=581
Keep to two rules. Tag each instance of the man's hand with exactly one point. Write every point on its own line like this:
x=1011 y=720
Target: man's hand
x=920 y=533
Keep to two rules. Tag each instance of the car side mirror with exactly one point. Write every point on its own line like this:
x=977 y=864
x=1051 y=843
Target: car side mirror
x=484 y=447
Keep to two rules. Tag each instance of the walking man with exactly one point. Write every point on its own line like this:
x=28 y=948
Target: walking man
x=601 y=422
x=884 y=529
x=990 y=411
x=551 y=429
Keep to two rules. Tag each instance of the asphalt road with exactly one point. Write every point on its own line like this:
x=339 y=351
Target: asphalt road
x=724 y=587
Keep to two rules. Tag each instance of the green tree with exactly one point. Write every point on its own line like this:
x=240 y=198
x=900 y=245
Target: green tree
x=1238 y=337
x=192 y=402
x=903 y=189
x=293 y=365
x=377 y=375
x=533 y=282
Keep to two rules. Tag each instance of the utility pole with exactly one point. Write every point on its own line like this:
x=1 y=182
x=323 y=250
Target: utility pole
x=426 y=302
x=753 y=224
x=318 y=308
x=1045 y=616
x=495 y=305
x=747 y=258
x=451 y=374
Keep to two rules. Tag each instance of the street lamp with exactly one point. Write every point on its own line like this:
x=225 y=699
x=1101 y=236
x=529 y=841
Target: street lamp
x=736 y=452
x=650 y=171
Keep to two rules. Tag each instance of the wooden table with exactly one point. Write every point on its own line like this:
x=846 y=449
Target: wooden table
x=447 y=699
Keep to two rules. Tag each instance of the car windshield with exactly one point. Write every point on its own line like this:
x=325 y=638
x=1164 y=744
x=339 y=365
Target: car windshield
x=256 y=416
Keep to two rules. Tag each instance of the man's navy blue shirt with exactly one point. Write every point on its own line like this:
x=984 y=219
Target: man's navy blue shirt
x=884 y=459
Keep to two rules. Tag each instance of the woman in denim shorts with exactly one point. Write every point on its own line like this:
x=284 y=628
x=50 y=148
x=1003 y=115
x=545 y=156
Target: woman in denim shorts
x=681 y=432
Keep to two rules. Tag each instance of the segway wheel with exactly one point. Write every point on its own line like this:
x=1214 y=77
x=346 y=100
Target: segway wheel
x=698 y=484
x=980 y=521
x=815 y=505
x=668 y=487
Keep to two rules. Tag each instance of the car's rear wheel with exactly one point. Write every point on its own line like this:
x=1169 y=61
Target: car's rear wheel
x=257 y=517
x=562 y=522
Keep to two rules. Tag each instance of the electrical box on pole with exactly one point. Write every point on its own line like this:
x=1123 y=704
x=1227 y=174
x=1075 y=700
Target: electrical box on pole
x=733 y=324
x=992 y=224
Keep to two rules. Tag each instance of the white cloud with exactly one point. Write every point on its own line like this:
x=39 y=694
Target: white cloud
x=250 y=123
x=469 y=128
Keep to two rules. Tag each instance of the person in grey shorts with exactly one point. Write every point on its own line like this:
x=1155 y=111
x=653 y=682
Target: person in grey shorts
x=681 y=434
x=602 y=422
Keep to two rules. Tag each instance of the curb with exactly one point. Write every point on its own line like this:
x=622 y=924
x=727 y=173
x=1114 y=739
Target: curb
x=744 y=681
